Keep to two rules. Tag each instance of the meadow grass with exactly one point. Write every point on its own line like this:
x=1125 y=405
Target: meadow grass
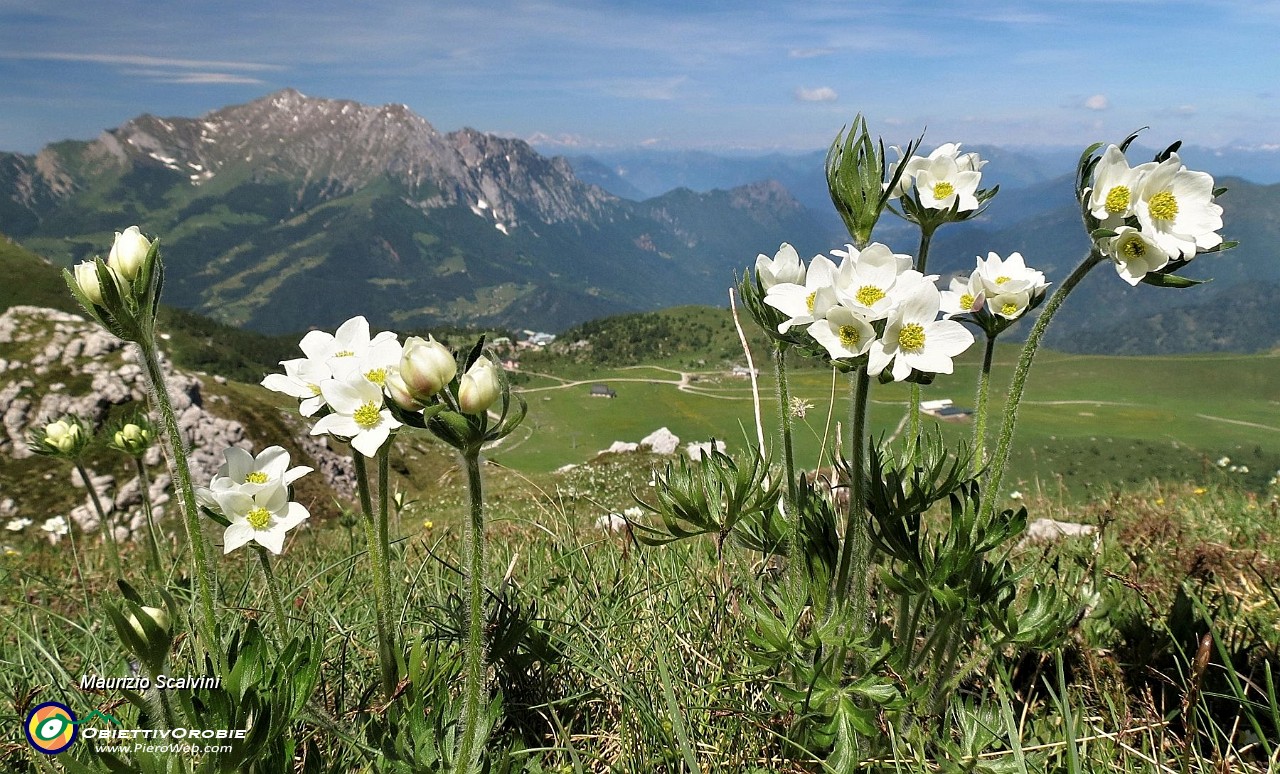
x=630 y=658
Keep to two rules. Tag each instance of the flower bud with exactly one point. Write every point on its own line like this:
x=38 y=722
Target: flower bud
x=86 y=274
x=129 y=252
x=158 y=615
x=426 y=367
x=480 y=387
x=399 y=392
x=63 y=435
x=132 y=439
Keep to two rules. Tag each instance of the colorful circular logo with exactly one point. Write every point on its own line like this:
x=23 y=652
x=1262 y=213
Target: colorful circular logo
x=51 y=727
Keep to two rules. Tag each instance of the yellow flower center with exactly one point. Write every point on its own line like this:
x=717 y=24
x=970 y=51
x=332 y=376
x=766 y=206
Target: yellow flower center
x=1163 y=206
x=849 y=336
x=1133 y=249
x=344 y=353
x=1002 y=280
x=809 y=301
x=377 y=375
x=1117 y=199
x=1009 y=308
x=256 y=477
x=258 y=518
x=943 y=189
x=368 y=415
x=966 y=302
x=868 y=295
x=911 y=337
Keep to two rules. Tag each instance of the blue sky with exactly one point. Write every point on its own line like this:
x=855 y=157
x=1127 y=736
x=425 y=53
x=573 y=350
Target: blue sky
x=667 y=73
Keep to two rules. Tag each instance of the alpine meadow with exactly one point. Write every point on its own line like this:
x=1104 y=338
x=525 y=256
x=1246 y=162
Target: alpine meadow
x=333 y=442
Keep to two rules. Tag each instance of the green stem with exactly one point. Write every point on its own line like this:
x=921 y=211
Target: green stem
x=473 y=665
x=784 y=420
x=922 y=261
x=104 y=524
x=144 y=485
x=273 y=591
x=381 y=590
x=1003 y=447
x=75 y=554
x=855 y=551
x=175 y=446
x=980 y=410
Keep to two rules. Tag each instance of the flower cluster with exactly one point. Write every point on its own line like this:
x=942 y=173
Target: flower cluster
x=872 y=304
x=122 y=292
x=365 y=387
x=942 y=186
x=66 y=438
x=1151 y=219
x=1000 y=291
x=252 y=495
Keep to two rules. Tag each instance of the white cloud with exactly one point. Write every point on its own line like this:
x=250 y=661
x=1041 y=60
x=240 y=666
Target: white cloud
x=820 y=94
x=179 y=76
x=138 y=61
x=809 y=53
x=1097 y=102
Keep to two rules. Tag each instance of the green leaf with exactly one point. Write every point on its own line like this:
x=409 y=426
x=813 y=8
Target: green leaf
x=1170 y=281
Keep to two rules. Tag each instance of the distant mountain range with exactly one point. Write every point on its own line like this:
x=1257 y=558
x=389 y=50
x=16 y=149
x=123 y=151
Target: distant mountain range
x=291 y=212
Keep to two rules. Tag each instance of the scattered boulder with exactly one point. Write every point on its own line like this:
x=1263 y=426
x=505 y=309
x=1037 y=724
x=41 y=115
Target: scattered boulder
x=621 y=447
x=661 y=441
x=1050 y=530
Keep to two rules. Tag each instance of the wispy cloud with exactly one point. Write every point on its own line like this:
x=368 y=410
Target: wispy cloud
x=138 y=61
x=809 y=53
x=820 y=94
x=170 y=76
x=1097 y=102
x=658 y=89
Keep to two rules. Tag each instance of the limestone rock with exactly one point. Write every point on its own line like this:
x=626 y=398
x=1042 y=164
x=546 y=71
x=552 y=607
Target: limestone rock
x=661 y=441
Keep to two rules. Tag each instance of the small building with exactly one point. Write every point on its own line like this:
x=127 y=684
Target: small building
x=744 y=372
x=602 y=391
x=945 y=410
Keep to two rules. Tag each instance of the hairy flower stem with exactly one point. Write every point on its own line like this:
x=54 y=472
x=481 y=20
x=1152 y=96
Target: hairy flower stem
x=980 y=417
x=855 y=552
x=176 y=451
x=104 y=524
x=1000 y=460
x=381 y=583
x=273 y=591
x=472 y=579
x=153 y=539
x=922 y=261
x=788 y=452
x=75 y=555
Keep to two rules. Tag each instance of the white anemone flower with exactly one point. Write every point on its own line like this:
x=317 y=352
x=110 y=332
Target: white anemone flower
x=961 y=297
x=263 y=517
x=1010 y=306
x=843 y=332
x=943 y=185
x=251 y=474
x=18 y=524
x=1134 y=254
x=915 y=339
x=1114 y=194
x=359 y=414
x=965 y=162
x=55 y=528
x=301 y=379
x=866 y=279
x=351 y=340
x=996 y=276
x=1176 y=210
x=785 y=267
x=808 y=302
